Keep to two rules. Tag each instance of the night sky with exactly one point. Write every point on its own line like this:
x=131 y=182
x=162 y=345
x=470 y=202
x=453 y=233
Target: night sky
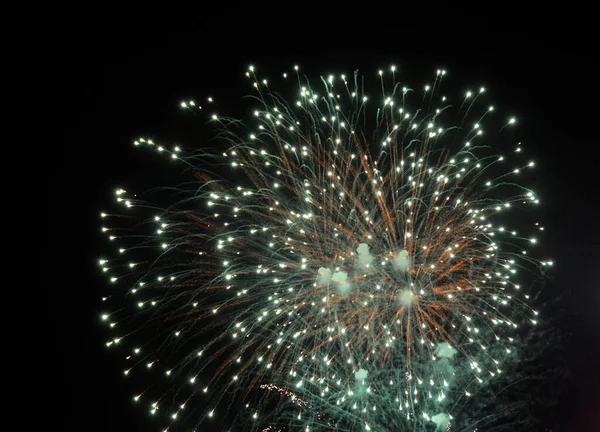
x=115 y=84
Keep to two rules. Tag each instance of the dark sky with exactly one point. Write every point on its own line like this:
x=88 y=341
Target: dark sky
x=114 y=84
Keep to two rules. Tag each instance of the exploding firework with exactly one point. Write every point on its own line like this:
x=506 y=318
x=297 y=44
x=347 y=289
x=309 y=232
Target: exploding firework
x=338 y=261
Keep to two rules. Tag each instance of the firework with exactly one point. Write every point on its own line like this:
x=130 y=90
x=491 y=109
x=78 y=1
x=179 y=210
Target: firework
x=340 y=260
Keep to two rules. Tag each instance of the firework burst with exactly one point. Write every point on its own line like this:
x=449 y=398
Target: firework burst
x=340 y=261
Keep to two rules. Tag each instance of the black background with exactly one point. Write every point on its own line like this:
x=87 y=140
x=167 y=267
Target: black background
x=116 y=82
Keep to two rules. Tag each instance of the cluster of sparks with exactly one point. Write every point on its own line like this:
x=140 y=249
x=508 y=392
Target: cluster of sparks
x=354 y=261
